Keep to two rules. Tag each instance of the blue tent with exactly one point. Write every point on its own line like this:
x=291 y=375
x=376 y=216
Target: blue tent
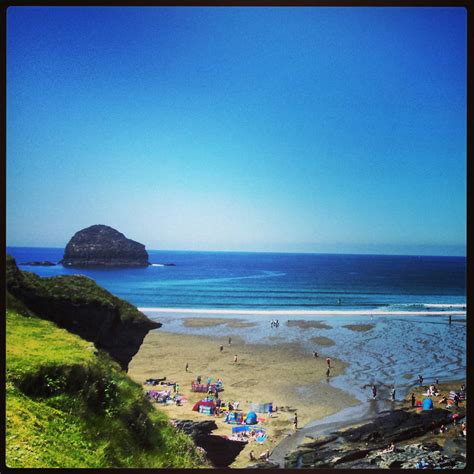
x=427 y=404
x=251 y=418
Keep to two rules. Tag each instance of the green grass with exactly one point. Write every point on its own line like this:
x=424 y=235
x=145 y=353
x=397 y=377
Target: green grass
x=69 y=406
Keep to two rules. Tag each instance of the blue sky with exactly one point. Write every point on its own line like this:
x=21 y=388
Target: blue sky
x=255 y=129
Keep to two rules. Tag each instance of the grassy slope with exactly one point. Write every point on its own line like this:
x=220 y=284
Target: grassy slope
x=68 y=406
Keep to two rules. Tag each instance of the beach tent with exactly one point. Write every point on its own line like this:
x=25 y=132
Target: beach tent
x=427 y=404
x=262 y=407
x=203 y=404
x=234 y=417
x=251 y=418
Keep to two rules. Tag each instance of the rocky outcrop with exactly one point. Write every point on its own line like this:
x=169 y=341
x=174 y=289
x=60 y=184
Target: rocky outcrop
x=363 y=447
x=101 y=245
x=79 y=305
x=220 y=451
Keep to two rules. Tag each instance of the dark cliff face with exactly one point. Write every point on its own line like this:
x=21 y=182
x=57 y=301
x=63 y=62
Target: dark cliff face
x=79 y=305
x=100 y=245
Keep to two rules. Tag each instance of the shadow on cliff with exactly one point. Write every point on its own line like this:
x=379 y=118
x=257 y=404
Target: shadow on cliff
x=78 y=304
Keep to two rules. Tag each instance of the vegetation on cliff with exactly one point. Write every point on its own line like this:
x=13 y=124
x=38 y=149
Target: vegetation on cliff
x=69 y=405
x=77 y=303
x=76 y=289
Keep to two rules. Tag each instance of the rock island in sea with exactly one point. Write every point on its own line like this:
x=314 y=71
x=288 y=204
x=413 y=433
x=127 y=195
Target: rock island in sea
x=103 y=246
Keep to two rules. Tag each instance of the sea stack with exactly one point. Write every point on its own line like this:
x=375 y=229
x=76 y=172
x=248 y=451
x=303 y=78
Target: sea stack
x=103 y=246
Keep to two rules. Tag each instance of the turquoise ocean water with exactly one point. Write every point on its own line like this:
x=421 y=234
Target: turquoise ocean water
x=276 y=281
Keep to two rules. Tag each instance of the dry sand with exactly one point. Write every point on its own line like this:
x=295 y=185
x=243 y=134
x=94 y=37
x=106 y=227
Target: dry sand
x=282 y=373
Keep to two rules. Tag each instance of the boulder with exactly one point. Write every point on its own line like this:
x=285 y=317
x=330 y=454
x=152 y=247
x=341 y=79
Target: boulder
x=220 y=451
x=103 y=246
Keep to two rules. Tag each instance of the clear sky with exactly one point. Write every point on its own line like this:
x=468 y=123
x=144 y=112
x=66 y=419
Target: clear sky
x=257 y=129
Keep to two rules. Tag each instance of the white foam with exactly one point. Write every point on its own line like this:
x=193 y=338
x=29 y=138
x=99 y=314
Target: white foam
x=157 y=265
x=308 y=312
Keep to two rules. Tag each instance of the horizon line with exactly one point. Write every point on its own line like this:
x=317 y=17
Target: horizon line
x=270 y=252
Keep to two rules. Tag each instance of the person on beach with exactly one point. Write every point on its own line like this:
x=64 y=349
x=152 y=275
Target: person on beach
x=235 y=359
x=186 y=369
x=230 y=340
x=374 y=392
x=265 y=455
x=420 y=380
x=456 y=400
x=328 y=361
x=198 y=379
x=392 y=394
x=449 y=322
x=209 y=380
x=315 y=354
x=295 y=421
x=413 y=400
x=252 y=456
x=221 y=347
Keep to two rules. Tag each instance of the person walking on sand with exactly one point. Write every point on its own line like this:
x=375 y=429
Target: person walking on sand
x=235 y=359
x=186 y=369
x=328 y=361
x=413 y=400
x=374 y=392
x=295 y=421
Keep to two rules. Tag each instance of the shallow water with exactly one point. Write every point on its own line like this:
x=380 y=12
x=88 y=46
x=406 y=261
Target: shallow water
x=394 y=352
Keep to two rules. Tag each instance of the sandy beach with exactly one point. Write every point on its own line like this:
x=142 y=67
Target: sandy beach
x=284 y=374
x=277 y=365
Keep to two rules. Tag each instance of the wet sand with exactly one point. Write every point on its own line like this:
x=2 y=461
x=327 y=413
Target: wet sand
x=211 y=322
x=305 y=324
x=359 y=327
x=322 y=341
x=284 y=374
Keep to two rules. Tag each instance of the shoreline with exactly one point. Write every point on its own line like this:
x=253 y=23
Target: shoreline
x=309 y=312
x=285 y=375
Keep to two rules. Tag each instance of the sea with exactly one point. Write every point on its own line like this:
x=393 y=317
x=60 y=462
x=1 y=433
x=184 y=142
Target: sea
x=276 y=281
x=415 y=306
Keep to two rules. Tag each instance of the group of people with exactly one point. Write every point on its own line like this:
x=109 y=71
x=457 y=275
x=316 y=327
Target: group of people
x=274 y=323
x=392 y=393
